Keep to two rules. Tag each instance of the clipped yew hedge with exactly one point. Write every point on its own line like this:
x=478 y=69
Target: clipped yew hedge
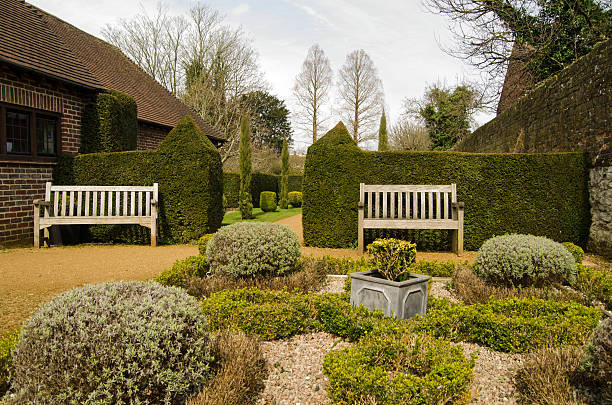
x=188 y=169
x=539 y=194
x=259 y=182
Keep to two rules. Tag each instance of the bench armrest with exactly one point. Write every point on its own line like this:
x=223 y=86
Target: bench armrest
x=459 y=205
x=153 y=202
x=43 y=203
x=360 y=205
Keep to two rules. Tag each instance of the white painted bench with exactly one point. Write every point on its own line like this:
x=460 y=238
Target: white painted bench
x=95 y=205
x=411 y=207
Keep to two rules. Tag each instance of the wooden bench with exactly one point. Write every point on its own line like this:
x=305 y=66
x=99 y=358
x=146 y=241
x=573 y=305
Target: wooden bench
x=95 y=205
x=411 y=207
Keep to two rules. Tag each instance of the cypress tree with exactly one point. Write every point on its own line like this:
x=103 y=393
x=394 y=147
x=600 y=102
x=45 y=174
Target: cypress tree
x=284 y=188
x=245 y=203
x=383 y=137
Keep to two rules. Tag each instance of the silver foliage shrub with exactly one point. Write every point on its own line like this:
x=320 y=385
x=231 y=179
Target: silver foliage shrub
x=597 y=361
x=253 y=249
x=113 y=343
x=524 y=260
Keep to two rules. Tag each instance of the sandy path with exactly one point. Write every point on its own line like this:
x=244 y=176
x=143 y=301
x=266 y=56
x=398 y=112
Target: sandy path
x=29 y=276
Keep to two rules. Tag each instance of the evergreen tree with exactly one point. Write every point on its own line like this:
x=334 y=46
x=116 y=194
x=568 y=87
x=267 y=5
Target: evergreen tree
x=284 y=189
x=246 y=206
x=383 y=137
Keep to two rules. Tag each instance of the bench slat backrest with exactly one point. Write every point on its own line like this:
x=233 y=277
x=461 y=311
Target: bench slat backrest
x=408 y=202
x=99 y=201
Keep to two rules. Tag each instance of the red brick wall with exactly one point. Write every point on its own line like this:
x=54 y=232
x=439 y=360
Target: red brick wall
x=19 y=88
x=20 y=185
x=150 y=136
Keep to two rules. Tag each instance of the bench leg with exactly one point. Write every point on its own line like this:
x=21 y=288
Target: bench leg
x=360 y=246
x=36 y=226
x=454 y=241
x=153 y=234
x=46 y=240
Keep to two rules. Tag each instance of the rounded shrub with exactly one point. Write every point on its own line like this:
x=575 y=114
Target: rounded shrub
x=253 y=249
x=575 y=250
x=267 y=201
x=295 y=198
x=124 y=342
x=524 y=260
x=597 y=361
x=183 y=270
x=203 y=242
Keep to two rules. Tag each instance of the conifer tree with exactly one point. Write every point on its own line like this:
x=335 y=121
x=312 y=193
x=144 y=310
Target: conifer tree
x=245 y=203
x=383 y=137
x=284 y=189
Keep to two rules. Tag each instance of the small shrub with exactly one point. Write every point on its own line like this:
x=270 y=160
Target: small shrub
x=433 y=268
x=547 y=377
x=524 y=260
x=411 y=369
x=392 y=257
x=336 y=315
x=595 y=285
x=472 y=289
x=575 y=250
x=295 y=198
x=8 y=341
x=179 y=274
x=203 y=243
x=267 y=201
x=241 y=371
x=597 y=361
x=511 y=325
x=254 y=249
x=124 y=342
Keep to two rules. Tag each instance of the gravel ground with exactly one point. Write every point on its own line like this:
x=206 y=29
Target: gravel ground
x=439 y=289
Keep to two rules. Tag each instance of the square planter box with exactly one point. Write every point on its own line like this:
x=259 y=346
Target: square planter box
x=400 y=299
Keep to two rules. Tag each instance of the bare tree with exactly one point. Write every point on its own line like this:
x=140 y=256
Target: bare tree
x=406 y=135
x=361 y=95
x=311 y=90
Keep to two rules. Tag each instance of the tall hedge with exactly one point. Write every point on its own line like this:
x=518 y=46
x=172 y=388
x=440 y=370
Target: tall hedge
x=259 y=182
x=110 y=123
x=187 y=167
x=540 y=194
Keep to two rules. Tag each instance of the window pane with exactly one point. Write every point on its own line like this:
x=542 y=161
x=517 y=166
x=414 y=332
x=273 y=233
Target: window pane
x=17 y=132
x=45 y=135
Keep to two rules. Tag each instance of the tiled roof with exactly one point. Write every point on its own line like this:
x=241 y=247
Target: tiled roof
x=34 y=39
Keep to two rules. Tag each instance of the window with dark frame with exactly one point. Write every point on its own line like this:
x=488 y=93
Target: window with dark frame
x=27 y=132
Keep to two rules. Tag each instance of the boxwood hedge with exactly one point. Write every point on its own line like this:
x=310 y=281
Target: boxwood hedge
x=539 y=194
x=259 y=182
x=188 y=169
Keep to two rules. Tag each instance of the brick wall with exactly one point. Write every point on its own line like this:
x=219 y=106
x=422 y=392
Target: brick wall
x=150 y=136
x=37 y=92
x=20 y=185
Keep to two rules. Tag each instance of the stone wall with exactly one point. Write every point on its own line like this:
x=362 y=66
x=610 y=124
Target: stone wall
x=571 y=111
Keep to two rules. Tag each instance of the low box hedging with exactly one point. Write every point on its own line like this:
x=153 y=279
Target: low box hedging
x=179 y=274
x=188 y=169
x=511 y=325
x=594 y=284
x=259 y=182
x=411 y=369
x=540 y=194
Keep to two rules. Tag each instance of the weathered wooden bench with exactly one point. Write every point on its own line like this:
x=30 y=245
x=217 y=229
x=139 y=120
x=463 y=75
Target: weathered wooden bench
x=411 y=207
x=95 y=205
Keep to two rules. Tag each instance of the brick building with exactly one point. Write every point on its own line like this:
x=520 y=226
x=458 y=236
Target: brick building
x=49 y=70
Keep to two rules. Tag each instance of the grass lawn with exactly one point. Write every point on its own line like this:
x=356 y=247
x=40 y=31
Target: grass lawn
x=234 y=216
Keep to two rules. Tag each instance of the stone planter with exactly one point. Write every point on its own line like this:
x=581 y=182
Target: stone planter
x=400 y=299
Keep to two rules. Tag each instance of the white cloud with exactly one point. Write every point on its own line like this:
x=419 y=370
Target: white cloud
x=239 y=10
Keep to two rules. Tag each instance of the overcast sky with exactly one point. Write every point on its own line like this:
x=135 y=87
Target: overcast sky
x=401 y=37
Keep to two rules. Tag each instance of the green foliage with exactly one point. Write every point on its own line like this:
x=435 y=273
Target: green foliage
x=284 y=181
x=295 y=198
x=188 y=169
x=411 y=369
x=334 y=314
x=203 y=243
x=392 y=257
x=245 y=201
x=271 y=124
x=267 y=201
x=383 y=136
x=110 y=123
x=511 y=325
x=8 y=341
x=540 y=194
x=433 y=268
x=182 y=270
x=259 y=182
x=524 y=260
x=254 y=249
x=594 y=284
x=124 y=342
x=575 y=250
x=597 y=361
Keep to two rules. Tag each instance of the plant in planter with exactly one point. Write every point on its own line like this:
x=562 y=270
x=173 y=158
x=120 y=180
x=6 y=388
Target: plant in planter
x=391 y=286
